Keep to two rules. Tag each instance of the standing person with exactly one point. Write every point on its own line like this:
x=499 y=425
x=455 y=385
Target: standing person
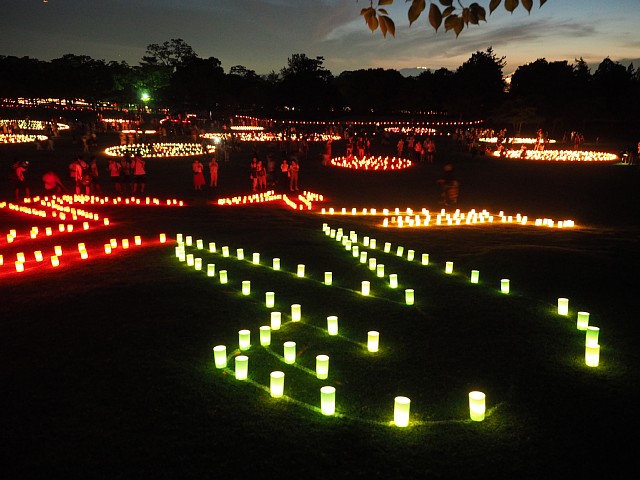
x=125 y=172
x=21 y=181
x=95 y=175
x=213 y=172
x=82 y=176
x=114 y=168
x=400 y=147
x=52 y=183
x=198 y=176
x=262 y=176
x=294 y=168
x=284 y=174
x=253 y=173
x=430 y=148
x=139 y=173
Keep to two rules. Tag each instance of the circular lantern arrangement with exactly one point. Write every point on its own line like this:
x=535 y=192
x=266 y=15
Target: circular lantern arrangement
x=371 y=163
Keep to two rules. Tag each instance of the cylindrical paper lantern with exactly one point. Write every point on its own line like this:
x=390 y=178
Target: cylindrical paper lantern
x=322 y=366
x=220 y=356
x=387 y=247
x=199 y=244
x=475 y=276
x=138 y=240
x=563 y=306
x=583 y=320
x=242 y=367
x=328 y=400
x=270 y=299
x=265 y=335
x=372 y=244
x=477 y=406
x=276 y=385
x=276 y=263
x=211 y=270
x=163 y=238
x=244 y=339
x=57 y=250
x=190 y=260
x=188 y=240
x=373 y=340
x=276 y=320
x=223 y=276
x=240 y=253
x=448 y=267
x=212 y=247
x=372 y=264
x=363 y=257
x=290 y=352
x=55 y=261
x=592 y=334
x=366 y=287
x=409 y=296
x=504 y=285
x=402 y=406
x=256 y=258
x=328 y=278
x=355 y=251
x=296 y=312
x=400 y=251
x=225 y=251
x=393 y=280
x=246 y=287
x=592 y=354
x=332 y=324
x=411 y=255
x=197 y=263
x=380 y=270
x=300 y=270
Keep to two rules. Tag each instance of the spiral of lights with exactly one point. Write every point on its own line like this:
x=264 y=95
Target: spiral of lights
x=19 y=138
x=371 y=163
x=31 y=124
x=160 y=150
x=557 y=155
x=516 y=140
x=408 y=130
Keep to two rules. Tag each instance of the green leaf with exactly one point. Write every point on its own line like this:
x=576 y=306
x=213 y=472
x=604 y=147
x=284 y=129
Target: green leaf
x=416 y=8
x=528 y=4
x=511 y=5
x=435 y=17
x=446 y=3
x=493 y=4
x=387 y=25
x=384 y=2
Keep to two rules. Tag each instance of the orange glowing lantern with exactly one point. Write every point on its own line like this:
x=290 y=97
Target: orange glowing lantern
x=55 y=261
x=107 y=248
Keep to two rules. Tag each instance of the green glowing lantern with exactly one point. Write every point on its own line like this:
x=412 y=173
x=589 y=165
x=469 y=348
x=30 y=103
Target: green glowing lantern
x=592 y=354
x=448 y=268
x=197 y=263
x=270 y=299
x=372 y=244
x=211 y=270
x=504 y=285
x=583 y=320
x=563 y=306
x=246 y=287
x=332 y=233
x=475 y=276
x=332 y=324
x=373 y=341
x=409 y=296
x=477 y=406
x=179 y=238
x=328 y=278
x=242 y=367
x=265 y=335
x=276 y=263
x=225 y=251
x=387 y=247
x=190 y=260
x=296 y=312
x=199 y=244
x=240 y=253
x=290 y=352
x=366 y=288
x=363 y=257
x=592 y=334
x=328 y=400
x=380 y=270
x=355 y=251
x=372 y=264
x=244 y=339
x=411 y=255
x=301 y=270
x=212 y=247
x=365 y=241
x=220 y=356
x=276 y=385
x=400 y=251
x=393 y=280
x=322 y=366
x=402 y=407
x=276 y=320
x=188 y=240
x=179 y=251
x=223 y=276
x=256 y=258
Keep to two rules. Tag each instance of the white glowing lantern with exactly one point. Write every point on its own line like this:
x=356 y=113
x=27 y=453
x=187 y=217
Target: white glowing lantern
x=400 y=251
x=85 y=225
x=393 y=280
x=269 y=299
x=380 y=270
x=411 y=255
x=163 y=238
x=55 y=261
x=244 y=339
x=212 y=247
x=372 y=244
x=276 y=385
x=220 y=356
x=276 y=320
x=188 y=240
x=242 y=367
x=448 y=267
x=322 y=366
x=296 y=312
x=332 y=324
x=366 y=287
x=387 y=247
x=107 y=248
x=328 y=278
x=125 y=243
x=402 y=407
x=592 y=334
x=197 y=263
x=48 y=232
x=477 y=406
x=19 y=266
x=276 y=263
x=223 y=276
x=199 y=244
x=355 y=251
x=372 y=264
x=179 y=238
x=475 y=276
x=20 y=257
x=137 y=240
x=225 y=251
x=301 y=270
x=113 y=242
x=256 y=258
x=211 y=269
x=84 y=255
x=373 y=341
x=365 y=241
x=57 y=250
x=240 y=253
x=290 y=352
x=190 y=259
x=265 y=335
x=38 y=255
x=504 y=285
x=583 y=320
x=70 y=228
x=328 y=400
x=592 y=354
x=246 y=287
x=363 y=257
x=563 y=306
x=409 y=296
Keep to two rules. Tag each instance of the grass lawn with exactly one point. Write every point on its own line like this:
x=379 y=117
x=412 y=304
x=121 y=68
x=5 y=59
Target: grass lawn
x=107 y=363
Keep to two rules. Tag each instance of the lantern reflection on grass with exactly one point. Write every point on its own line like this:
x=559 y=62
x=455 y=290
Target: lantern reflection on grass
x=244 y=339
x=583 y=320
x=289 y=352
x=592 y=354
x=402 y=406
x=276 y=320
x=220 y=356
x=563 y=306
x=332 y=324
x=448 y=268
x=373 y=340
x=328 y=400
x=276 y=385
x=296 y=312
x=477 y=406
x=322 y=366
x=242 y=367
x=265 y=335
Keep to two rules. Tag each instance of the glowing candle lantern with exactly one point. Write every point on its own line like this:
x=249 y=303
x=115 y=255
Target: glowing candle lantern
x=373 y=341
x=107 y=248
x=402 y=407
x=387 y=247
x=188 y=240
x=328 y=400
x=448 y=268
x=61 y=227
x=1 y=260
x=13 y=232
x=246 y=287
x=276 y=263
x=20 y=257
x=197 y=263
x=38 y=255
x=372 y=263
x=400 y=251
x=270 y=299
x=256 y=258
x=223 y=276
x=332 y=324
x=240 y=253
x=563 y=306
x=211 y=269
x=372 y=244
x=81 y=246
x=365 y=241
x=290 y=352
x=242 y=367
x=477 y=406
x=85 y=225
x=475 y=276
x=190 y=259
x=583 y=320
x=19 y=266
x=504 y=285
x=592 y=334
x=55 y=261
x=179 y=238
x=276 y=320
x=265 y=335
x=328 y=278
x=276 y=385
x=380 y=270
x=125 y=243
x=220 y=356
x=301 y=270
x=137 y=240
x=393 y=280
x=105 y=221
x=244 y=339
x=48 y=231
x=113 y=242
x=366 y=287
x=409 y=296
x=411 y=255
x=9 y=238
x=199 y=244
x=363 y=257
x=592 y=354
x=163 y=238
x=322 y=366
x=355 y=251
x=296 y=312
x=225 y=251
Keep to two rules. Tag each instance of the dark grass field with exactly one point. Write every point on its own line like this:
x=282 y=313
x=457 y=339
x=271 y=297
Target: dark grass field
x=107 y=365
